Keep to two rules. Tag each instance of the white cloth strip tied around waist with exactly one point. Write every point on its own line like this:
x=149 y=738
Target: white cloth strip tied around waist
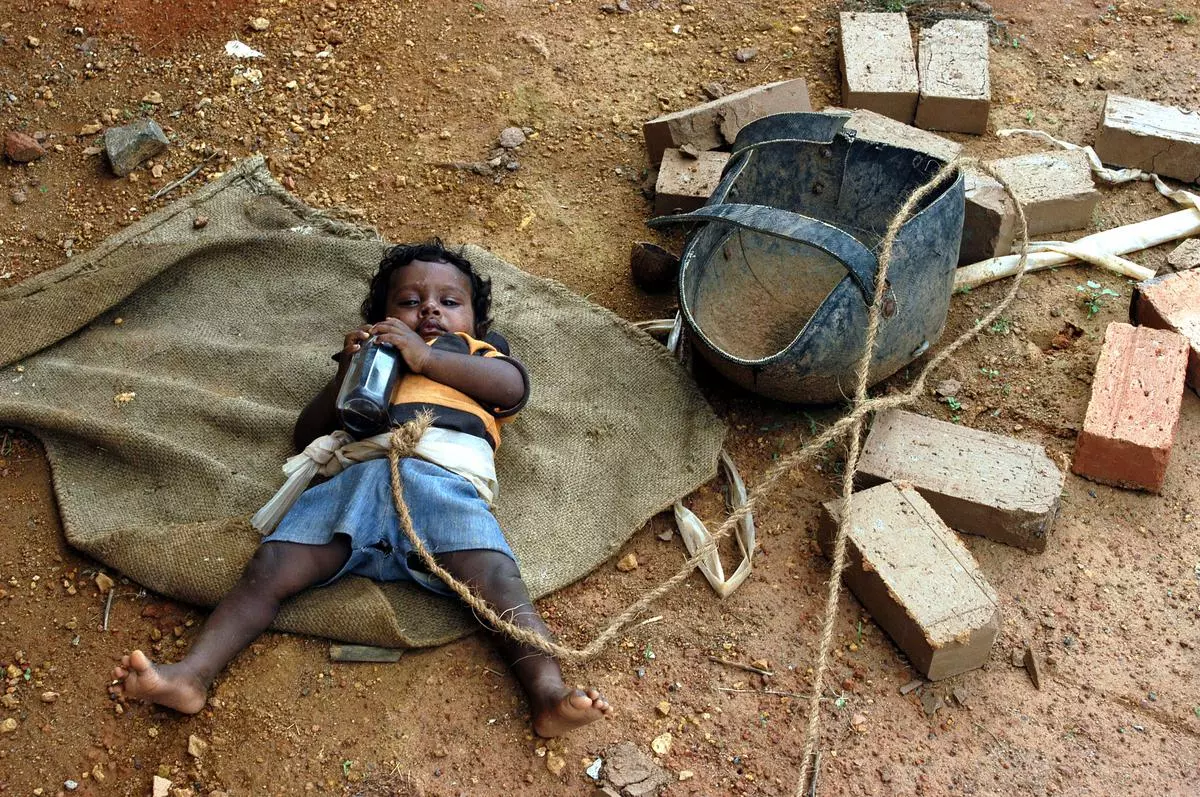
x=464 y=454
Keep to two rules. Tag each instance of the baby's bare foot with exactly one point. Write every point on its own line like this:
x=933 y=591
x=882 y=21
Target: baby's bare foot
x=168 y=684
x=573 y=709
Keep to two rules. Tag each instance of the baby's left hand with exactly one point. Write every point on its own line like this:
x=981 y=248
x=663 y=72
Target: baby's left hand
x=411 y=346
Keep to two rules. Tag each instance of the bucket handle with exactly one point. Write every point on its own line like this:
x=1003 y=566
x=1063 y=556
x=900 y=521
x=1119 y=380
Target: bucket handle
x=858 y=260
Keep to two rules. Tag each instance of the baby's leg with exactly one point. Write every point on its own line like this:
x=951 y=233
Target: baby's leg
x=556 y=708
x=277 y=571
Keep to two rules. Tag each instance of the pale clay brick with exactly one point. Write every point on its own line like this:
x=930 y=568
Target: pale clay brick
x=685 y=183
x=1156 y=138
x=879 y=70
x=1055 y=189
x=956 y=90
x=715 y=124
x=990 y=220
x=916 y=579
x=1133 y=412
x=980 y=483
x=871 y=126
x=1185 y=256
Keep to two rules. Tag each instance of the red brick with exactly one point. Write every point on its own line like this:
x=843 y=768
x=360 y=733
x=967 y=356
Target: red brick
x=716 y=123
x=1131 y=418
x=1173 y=302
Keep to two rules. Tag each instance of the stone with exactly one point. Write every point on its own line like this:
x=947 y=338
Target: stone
x=133 y=144
x=980 y=483
x=628 y=770
x=915 y=577
x=879 y=71
x=364 y=653
x=1145 y=135
x=661 y=744
x=745 y=54
x=912 y=686
x=653 y=268
x=512 y=137
x=18 y=197
x=872 y=126
x=196 y=747
x=555 y=764
x=1055 y=189
x=716 y=123
x=989 y=220
x=1172 y=302
x=1033 y=666
x=684 y=183
x=104 y=582
x=952 y=64
x=1185 y=256
x=21 y=147
x=260 y=23
x=200 y=222
x=9 y=725
x=1132 y=415
x=628 y=563
x=49 y=697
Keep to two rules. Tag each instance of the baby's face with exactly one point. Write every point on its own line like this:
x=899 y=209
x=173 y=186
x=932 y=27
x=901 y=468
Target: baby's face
x=431 y=299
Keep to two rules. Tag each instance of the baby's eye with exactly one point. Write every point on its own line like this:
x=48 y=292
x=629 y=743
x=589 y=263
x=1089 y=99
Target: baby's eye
x=451 y=302
x=407 y=303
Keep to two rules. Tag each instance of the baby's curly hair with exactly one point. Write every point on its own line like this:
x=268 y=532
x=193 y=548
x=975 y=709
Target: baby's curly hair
x=374 y=307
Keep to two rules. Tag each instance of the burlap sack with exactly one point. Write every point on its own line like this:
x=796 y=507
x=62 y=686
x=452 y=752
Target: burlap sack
x=166 y=431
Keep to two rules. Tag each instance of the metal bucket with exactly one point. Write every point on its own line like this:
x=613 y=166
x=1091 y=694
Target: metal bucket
x=774 y=286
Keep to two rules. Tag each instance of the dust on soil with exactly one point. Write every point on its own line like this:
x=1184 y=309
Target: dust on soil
x=1113 y=604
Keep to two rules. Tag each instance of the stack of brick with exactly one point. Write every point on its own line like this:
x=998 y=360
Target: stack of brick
x=948 y=88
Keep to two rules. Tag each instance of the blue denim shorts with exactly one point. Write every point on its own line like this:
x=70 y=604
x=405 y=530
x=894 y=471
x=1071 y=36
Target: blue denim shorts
x=447 y=513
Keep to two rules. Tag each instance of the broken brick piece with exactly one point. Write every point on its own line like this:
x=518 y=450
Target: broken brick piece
x=1055 y=188
x=952 y=62
x=916 y=578
x=879 y=70
x=989 y=220
x=685 y=183
x=1131 y=417
x=1145 y=135
x=1172 y=302
x=1185 y=256
x=715 y=124
x=980 y=483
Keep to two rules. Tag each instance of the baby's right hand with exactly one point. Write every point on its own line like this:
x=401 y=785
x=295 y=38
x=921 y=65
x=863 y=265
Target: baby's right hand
x=354 y=341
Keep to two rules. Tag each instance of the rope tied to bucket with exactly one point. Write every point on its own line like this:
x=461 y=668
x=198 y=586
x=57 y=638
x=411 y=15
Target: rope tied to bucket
x=850 y=424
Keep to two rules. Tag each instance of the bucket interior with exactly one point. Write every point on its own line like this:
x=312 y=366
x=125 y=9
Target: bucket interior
x=756 y=292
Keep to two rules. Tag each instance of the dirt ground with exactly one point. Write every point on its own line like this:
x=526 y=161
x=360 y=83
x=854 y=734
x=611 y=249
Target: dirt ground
x=1113 y=604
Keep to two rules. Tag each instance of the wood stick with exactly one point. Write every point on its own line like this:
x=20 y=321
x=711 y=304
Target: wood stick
x=108 y=606
x=761 y=692
x=738 y=665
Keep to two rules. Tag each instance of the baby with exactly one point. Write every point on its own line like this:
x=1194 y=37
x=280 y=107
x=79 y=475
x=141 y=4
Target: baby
x=431 y=305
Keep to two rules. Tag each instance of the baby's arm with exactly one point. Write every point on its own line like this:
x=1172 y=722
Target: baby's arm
x=492 y=381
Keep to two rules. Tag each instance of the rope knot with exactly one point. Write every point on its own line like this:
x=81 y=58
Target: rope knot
x=406 y=436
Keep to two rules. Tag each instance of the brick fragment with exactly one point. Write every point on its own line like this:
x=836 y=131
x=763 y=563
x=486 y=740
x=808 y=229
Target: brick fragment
x=1185 y=256
x=686 y=183
x=715 y=124
x=879 y=70
x=1134 y=410
x=22 y=148
x=1172 y=302
x=956 y=90
x=872 y=126
x=1145 y=135
x=990 y=220
x=1055 y=188
x=916 y=578
x=980 y=483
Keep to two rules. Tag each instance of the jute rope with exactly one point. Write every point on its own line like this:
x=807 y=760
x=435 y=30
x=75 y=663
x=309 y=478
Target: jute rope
x=851 y=425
